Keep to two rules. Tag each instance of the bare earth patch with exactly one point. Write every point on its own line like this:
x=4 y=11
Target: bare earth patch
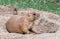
x=48 y=24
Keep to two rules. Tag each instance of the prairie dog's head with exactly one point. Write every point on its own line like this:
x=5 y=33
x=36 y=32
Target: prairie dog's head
x=36 y=15
x=32 y=16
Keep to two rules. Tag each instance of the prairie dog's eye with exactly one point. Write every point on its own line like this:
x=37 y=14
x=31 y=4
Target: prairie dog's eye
x=34 y=14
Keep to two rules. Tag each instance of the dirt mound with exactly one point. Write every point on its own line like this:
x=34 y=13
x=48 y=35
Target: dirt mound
x=48 y=24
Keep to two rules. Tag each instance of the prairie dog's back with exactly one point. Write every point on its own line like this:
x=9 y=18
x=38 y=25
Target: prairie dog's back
x=11 y=24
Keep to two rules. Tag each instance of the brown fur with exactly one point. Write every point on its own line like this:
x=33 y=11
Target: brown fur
x=19 y=24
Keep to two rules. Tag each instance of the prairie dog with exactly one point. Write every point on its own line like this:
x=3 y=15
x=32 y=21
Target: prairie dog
x=20 y=24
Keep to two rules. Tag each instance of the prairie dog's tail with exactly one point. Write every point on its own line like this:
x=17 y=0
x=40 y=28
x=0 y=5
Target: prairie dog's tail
x=15 y=11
